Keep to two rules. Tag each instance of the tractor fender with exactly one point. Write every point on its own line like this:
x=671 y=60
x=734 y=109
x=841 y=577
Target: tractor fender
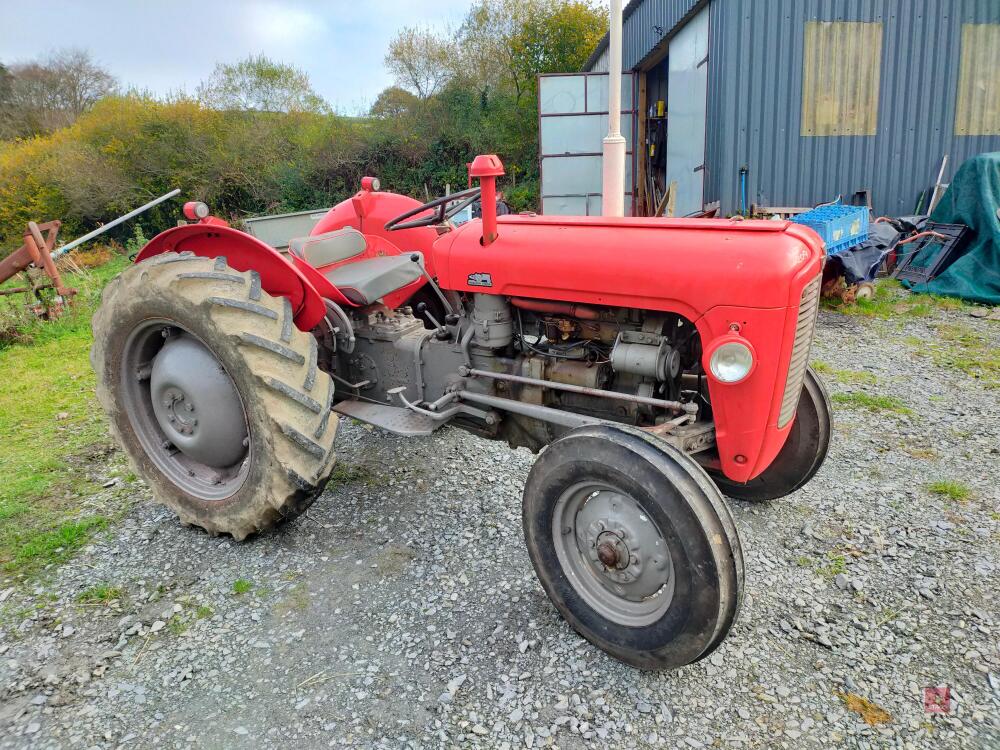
x=278 y=277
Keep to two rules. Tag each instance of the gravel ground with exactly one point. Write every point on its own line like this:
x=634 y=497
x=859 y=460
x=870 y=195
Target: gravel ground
x=403 y=611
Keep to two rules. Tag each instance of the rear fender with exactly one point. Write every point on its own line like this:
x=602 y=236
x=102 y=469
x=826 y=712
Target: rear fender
x=278 y=277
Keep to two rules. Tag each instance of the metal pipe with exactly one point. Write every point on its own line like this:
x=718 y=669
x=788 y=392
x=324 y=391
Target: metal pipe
x=557 y=308
x=544 y=413
x=613 y=178
x=598 y=392
x=418 y=259
x=101 y=230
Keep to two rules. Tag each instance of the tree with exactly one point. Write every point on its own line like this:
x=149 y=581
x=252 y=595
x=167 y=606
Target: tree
x=260 y=84
x=557 y=38
x=46 y=95
x=6 y=81
x=419 y=60
x=507 y=43
x=393 y=102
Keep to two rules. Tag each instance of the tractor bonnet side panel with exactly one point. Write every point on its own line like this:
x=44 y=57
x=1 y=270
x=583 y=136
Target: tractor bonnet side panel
x=681 y=265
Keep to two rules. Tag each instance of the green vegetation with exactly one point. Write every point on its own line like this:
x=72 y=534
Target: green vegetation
x=256 y=138
x=177 y=625
x=344 y=473
x=242 y=586
x=203 y=612
x=844 y=376
x=892 y=300
x=961 y=348
x=861 y=400
x=51 y=431
x=836 y=565
x=950 y=489
x=102 y=594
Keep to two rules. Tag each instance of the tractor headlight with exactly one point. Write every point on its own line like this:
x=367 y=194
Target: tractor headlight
x=731 y=361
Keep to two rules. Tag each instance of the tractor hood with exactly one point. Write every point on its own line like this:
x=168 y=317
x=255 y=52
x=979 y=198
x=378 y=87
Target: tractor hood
x=632 y=262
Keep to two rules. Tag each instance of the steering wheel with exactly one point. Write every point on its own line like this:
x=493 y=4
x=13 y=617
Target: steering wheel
x=441 y=213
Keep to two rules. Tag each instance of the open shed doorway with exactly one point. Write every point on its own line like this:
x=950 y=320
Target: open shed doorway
x=673 y=103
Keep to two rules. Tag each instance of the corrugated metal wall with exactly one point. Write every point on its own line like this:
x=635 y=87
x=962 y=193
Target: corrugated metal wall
x=645 y=24
x=755 y=102
x=755 y=97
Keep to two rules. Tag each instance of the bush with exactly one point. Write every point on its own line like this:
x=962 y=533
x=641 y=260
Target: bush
x=136 y=242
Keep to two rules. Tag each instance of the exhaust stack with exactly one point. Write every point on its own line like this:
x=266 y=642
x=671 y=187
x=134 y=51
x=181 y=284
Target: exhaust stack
x=486 y=168
x=613 y=182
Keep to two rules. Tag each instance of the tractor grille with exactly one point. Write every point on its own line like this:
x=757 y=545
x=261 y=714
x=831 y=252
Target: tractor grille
x=804 y=328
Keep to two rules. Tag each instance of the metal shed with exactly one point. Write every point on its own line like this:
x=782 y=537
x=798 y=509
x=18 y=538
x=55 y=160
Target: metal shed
x=813 y=98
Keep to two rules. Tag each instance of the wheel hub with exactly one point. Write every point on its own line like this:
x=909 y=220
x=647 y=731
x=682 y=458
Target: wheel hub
x=616 y=552
x=196 y=403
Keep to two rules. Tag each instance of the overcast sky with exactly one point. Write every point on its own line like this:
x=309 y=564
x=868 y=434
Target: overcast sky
x=171 y=45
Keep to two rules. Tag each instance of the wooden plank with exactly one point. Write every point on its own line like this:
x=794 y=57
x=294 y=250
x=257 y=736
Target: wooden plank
x=639 y=147
x=977 y=107
x=841 y=71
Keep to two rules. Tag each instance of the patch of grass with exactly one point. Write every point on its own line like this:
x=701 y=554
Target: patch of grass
x=888 y=614
x=950 y=489
x=242 y=586
x=837 y=564
x=102 y=593
x=862 y=400
x=203 y=612
x=891 y=300
x=51 y=429
x=961 y=348
x=843 y=376
x=356 y=473
x=177 y=625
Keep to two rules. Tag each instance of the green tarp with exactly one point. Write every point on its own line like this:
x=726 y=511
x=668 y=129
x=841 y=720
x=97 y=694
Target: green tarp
x=972 y=199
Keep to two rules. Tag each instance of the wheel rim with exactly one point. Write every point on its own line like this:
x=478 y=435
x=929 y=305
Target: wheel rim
x=185 y=410
x=613 y=553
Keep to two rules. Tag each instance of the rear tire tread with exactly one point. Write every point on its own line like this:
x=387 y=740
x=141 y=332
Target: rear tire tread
x=258 y=327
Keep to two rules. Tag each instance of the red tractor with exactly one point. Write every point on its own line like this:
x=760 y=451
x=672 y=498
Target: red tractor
x=654 y=364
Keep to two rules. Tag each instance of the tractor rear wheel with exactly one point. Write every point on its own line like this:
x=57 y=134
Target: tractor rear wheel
x=800 y=458
x=214 y=393
x=634 y=545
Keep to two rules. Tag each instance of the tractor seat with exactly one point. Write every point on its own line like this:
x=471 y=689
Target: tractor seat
x=366 y=281
x=330 y=247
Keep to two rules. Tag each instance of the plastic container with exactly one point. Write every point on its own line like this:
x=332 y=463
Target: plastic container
x=840 y=226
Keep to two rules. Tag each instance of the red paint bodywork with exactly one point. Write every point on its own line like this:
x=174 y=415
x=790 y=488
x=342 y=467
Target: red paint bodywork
x=278 y=277
x=369 y=212
x=717 y=273
x=729 y=278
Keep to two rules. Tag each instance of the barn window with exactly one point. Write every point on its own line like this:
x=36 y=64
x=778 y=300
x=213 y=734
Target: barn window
x=977 y=109
x=841 y=69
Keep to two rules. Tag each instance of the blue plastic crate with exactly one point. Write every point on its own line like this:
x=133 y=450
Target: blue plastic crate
x=840 y=226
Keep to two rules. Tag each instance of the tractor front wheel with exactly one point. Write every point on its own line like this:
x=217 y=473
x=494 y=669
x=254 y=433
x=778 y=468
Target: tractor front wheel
x=213 y=392
x=800 y=458
x=634 y=545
